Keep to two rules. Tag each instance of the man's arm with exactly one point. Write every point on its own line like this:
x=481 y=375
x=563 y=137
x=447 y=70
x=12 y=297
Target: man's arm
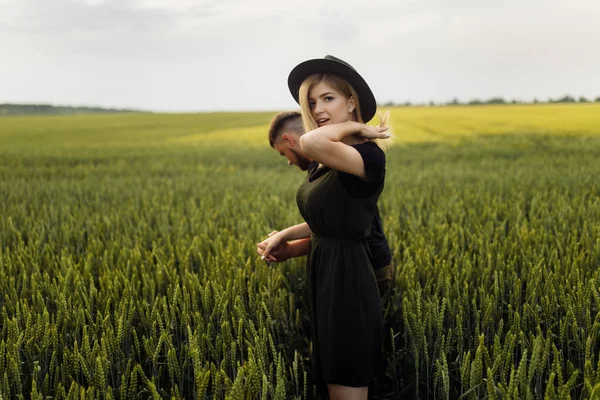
x=295 y=248
x=286 y=250
x=299 y=247
x=300 y=231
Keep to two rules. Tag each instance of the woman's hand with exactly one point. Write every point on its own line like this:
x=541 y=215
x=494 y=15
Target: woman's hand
x=274 y=248
x=374 y=132
x=277 y=248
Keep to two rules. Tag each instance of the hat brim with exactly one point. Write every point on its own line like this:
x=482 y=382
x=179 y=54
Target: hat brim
x=368 y=105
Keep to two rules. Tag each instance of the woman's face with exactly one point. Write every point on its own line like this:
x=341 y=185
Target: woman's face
x=328 y=105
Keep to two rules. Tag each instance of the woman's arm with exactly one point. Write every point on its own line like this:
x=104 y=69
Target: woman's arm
x=325 y=145
x=300 y=231
x=286 y=250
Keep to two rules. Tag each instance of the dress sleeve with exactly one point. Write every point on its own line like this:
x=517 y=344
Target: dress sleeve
x=374 y=160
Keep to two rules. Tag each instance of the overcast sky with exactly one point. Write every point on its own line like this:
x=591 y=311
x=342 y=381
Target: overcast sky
x=205 y=55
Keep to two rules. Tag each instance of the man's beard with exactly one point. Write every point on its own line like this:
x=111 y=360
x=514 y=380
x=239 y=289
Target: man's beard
x=301 y=161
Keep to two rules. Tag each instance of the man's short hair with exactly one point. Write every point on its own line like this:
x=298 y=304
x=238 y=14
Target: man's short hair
x=285 y=121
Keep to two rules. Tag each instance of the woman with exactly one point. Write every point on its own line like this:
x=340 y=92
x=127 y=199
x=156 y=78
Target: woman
x=338 y=201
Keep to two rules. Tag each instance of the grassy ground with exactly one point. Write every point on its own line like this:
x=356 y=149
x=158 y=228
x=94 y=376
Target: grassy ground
x=128 y=264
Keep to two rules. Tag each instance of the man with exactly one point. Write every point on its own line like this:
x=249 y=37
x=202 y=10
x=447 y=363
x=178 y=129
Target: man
x=285 y=131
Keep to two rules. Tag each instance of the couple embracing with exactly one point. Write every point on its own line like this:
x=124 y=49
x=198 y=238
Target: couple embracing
x=348 y=263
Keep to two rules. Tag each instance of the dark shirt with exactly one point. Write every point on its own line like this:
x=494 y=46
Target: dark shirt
x=378 y=244
x=374 y=160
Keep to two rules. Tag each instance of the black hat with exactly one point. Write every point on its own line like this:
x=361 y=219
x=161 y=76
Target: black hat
x=335 y=66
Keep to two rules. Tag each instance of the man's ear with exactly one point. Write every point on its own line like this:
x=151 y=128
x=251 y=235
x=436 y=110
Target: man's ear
x=289 y=139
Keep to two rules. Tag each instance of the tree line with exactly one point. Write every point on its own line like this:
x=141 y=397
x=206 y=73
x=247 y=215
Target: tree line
x=47 y=109
x=495 y=100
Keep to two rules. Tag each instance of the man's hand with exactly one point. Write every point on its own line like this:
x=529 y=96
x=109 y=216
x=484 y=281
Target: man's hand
x=273 y=249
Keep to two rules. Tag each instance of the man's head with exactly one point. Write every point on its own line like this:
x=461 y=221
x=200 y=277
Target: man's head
x=284 y=136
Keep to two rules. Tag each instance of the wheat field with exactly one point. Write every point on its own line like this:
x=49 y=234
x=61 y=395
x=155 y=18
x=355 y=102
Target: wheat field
x=128 y=266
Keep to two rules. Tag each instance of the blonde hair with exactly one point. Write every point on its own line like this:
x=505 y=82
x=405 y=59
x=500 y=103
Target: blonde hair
x=342 y=86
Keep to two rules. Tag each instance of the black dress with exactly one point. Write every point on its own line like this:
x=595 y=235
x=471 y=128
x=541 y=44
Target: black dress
x=345 y=306
x=379 y=247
